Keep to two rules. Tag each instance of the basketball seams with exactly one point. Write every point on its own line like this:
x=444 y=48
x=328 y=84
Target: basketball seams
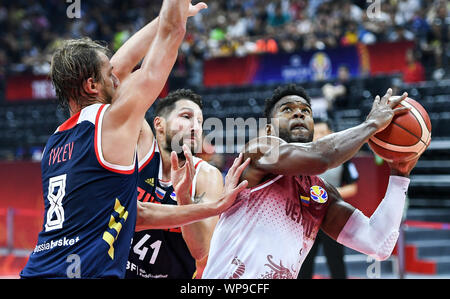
x=406 y=130
x=421 y=121
x=386 y=145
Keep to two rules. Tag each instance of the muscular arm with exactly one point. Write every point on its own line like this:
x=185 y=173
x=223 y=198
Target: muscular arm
x=134 y=50
x=332 y=150
x=153 y=216
x=209 y=188
x=375 y=236
x=136 y=47
x=157 y=216
x=318 y=156
x=123 y=119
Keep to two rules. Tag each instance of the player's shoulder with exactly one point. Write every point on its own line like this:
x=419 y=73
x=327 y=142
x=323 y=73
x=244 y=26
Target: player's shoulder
x=87 y=114
x=331 y=190
x=208 y=176
x=209 y=179
x=206 y=169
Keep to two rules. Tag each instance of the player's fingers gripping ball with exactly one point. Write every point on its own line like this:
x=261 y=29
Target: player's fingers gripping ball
x=407 y=136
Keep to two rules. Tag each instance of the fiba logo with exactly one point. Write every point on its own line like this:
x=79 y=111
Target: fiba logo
x=320 y=65
x=74 y=9
x=318 y=194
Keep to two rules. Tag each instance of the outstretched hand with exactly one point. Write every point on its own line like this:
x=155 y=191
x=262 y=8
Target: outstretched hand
x=194 y=9
x=231 y=187
x=182 y=177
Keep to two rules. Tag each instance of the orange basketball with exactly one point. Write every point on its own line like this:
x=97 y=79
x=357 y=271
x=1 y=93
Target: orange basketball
x=408 y=135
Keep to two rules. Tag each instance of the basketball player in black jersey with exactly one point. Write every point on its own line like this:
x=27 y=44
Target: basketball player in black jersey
x=177 y=252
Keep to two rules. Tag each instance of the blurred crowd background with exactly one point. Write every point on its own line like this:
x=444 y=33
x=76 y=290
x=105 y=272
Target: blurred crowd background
x=29 y=31
x=232 y=29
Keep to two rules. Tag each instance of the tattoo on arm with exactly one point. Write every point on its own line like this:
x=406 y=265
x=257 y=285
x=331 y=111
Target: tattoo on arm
x=199 y=198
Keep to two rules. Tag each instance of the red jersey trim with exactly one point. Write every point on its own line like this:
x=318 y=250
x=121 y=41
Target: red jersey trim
x=153 y=149
x=70 y=123
x=200 y=161
x=97 y=146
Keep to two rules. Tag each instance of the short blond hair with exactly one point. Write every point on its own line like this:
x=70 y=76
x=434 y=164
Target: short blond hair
x=75 y=61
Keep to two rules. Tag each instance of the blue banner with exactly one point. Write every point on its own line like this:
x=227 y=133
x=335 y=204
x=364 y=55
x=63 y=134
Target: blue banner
x=306 y=66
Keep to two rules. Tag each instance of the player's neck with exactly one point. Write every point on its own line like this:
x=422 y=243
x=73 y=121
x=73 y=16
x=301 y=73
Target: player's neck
x=165 y=160
x=74 y=108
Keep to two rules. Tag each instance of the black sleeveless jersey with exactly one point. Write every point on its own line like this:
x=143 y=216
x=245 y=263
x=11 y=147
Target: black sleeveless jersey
x=159 y=253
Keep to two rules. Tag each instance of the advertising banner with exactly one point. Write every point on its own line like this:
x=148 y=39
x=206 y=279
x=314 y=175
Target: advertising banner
x=307 y=65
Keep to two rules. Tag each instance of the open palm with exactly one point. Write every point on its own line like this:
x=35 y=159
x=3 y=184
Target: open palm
x=182 y=177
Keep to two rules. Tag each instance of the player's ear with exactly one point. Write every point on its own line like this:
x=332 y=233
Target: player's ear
x=90 y=86
x=159 y=124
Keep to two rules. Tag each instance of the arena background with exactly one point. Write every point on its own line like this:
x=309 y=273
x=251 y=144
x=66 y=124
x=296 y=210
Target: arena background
x=234 y=55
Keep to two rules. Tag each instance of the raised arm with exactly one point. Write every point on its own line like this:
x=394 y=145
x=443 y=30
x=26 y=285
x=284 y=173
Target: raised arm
x=208 y=188
x=136 y=94
x=375 y=236
x=123 y=120
x=332 y=150
x=136 y=47
x=134 y=50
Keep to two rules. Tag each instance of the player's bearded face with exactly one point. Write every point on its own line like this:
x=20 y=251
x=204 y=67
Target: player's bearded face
x=108 y=94
x=289 y=136
x=293 y=120
x=175 y=141
x=184 y=126
x=109 y=81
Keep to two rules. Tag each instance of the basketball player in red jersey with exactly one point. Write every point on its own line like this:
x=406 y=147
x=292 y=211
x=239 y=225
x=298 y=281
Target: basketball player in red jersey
x=269 y=230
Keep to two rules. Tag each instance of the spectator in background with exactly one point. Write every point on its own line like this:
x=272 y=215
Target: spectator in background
x=344 y=178
x=232 y=27
x=439 y=36
x=406 y=10
x=278 y=17
x=414 y=71
x=337 y=94
x=350 y=35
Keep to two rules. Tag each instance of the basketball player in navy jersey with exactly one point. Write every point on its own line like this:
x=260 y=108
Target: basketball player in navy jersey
x=90 y=165
x=176 y=252
x=271 y=227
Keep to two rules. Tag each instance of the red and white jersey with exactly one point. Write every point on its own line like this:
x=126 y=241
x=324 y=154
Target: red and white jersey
x=269 y=230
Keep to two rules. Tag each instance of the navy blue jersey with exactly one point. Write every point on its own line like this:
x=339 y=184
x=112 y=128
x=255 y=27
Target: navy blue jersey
x=159 y=253
x=90 y=205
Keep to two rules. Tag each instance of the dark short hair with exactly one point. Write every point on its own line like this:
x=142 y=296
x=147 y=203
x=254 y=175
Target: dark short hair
x=281 y=92
x=75 y=61
x=166 y=105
